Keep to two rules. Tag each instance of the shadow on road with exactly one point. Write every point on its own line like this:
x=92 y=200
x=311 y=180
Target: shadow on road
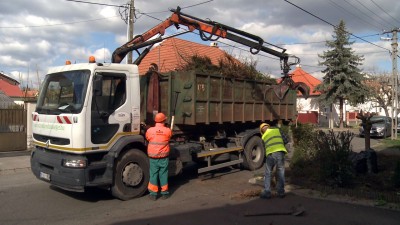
x=90 y=194
x=93 y=194
x=226 y=211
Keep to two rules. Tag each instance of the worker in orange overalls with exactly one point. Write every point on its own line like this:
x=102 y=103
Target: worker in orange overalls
x=158 y=152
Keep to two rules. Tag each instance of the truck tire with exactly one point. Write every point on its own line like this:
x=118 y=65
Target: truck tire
x=131 y=175
x=254 y=154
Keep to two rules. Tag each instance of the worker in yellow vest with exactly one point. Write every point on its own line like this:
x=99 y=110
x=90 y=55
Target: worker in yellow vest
x=275 y=152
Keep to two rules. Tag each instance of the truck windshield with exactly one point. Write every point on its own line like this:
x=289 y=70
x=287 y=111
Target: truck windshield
x=63 y=92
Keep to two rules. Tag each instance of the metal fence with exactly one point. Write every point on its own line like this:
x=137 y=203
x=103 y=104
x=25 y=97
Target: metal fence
x=13 y=120
x=13 y=128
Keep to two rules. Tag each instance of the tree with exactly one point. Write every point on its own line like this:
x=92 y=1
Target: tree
x=380 y=91
x=343 y=79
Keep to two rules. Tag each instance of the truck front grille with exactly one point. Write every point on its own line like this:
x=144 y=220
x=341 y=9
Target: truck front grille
x=53 y=140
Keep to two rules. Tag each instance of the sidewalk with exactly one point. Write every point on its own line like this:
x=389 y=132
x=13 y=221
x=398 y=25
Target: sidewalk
x=14 y=161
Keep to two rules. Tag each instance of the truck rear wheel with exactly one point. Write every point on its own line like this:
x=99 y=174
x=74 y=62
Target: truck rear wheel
x=254 y=154
x=131 y=175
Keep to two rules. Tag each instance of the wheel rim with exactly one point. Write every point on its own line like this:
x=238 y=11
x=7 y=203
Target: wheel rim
x=255 y=154
x=132 y=174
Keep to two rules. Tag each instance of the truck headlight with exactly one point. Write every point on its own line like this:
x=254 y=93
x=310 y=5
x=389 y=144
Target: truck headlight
x=74 y=163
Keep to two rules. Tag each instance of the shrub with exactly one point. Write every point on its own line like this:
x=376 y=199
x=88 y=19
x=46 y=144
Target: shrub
x=334 y=167
x=396 y=176
x=303 y=138
x=323 y=156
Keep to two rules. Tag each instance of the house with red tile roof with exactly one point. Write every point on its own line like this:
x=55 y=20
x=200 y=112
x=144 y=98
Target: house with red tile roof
x=173 y=53
x=10 y=87
x=308 y=109
x=299 y=75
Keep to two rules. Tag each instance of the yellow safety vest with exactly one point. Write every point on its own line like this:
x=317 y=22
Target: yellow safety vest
x=273 y=141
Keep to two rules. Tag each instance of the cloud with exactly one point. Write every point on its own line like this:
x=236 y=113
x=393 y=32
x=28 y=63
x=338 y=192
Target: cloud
x=45 y=33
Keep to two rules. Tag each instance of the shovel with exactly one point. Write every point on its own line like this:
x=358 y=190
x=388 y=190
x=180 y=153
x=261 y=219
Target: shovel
x=295 y=211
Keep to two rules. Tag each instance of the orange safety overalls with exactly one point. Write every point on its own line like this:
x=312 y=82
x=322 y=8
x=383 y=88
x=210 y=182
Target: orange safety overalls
x=158 y=152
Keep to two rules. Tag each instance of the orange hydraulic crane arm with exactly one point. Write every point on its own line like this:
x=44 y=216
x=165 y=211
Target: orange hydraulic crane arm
x=214 y=31
x=134 y=44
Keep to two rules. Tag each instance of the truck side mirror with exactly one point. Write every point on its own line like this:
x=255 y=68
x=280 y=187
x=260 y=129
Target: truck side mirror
x=98 y=85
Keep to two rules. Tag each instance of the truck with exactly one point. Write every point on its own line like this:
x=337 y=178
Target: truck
x=90 y=118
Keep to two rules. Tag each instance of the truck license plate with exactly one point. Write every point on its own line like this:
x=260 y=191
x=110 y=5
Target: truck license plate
x=45 y=176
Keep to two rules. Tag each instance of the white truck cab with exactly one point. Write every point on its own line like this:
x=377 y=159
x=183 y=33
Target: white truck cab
x=83 y=110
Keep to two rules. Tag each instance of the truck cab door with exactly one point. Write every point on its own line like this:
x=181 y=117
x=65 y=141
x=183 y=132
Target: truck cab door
x=109 y=94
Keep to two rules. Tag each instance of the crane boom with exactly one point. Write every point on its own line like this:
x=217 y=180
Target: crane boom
x=214 y=30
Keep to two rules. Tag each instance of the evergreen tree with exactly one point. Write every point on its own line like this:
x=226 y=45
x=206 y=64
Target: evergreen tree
x=343 y=79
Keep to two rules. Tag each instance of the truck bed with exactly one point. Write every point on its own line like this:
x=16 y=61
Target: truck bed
x=208 y=98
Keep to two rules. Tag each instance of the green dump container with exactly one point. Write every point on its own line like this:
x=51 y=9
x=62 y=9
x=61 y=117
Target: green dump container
x=198 y=98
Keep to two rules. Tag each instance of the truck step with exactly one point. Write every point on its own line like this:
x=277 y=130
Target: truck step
x=219 y=166
x=218 y=151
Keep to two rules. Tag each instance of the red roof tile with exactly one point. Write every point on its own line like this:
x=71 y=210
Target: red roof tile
x=299 y=75
x=173 y=52
x=10 y=90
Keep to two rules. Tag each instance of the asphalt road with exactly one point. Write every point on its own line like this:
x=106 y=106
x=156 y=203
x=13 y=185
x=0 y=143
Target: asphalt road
x=224 y=198
x=358 y=143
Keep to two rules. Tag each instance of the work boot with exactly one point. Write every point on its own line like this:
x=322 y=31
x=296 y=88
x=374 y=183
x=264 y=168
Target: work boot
x=152 y=197
x=265 y=195
x=165 y=196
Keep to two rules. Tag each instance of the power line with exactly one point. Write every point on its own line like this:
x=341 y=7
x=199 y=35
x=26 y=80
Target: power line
x=349 y=12
x=363 y=53
x=373 y=12
x=95 y=3
x=184 y=7
x=384 y=11
x=334 y=25
x=147 y=13
x=357 y=8
x=197 y=4
x=317 y=42
x=57 y=24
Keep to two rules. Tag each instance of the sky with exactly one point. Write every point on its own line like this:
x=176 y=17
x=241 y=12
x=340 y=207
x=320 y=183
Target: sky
x=38 y=34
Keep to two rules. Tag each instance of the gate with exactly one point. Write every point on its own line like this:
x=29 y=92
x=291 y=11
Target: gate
x=309 y=117
x=13 y=126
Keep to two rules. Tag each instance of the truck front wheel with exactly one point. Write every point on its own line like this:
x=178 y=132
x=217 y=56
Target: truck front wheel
x=254 y=154
x=131 y=175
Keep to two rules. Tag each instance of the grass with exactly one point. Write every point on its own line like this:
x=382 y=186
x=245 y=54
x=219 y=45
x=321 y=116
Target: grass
x=382 y=187
x=376 y=186
x=389 y=143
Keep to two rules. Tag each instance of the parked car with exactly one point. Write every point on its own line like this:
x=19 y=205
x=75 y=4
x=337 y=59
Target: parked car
x=380 y=129
x=398 y=126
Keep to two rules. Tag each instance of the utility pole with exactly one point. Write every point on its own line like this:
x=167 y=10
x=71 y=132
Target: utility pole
x=394 y=83
x=130 y=29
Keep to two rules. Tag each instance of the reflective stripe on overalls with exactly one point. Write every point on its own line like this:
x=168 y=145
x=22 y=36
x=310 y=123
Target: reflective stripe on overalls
x=158 y=138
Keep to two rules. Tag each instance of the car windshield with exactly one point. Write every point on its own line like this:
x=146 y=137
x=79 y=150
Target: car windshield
x=381 y=119
x=63 y=92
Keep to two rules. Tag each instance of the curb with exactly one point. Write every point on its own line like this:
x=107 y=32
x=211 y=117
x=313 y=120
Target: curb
x=16 y=170
x=15 y=153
